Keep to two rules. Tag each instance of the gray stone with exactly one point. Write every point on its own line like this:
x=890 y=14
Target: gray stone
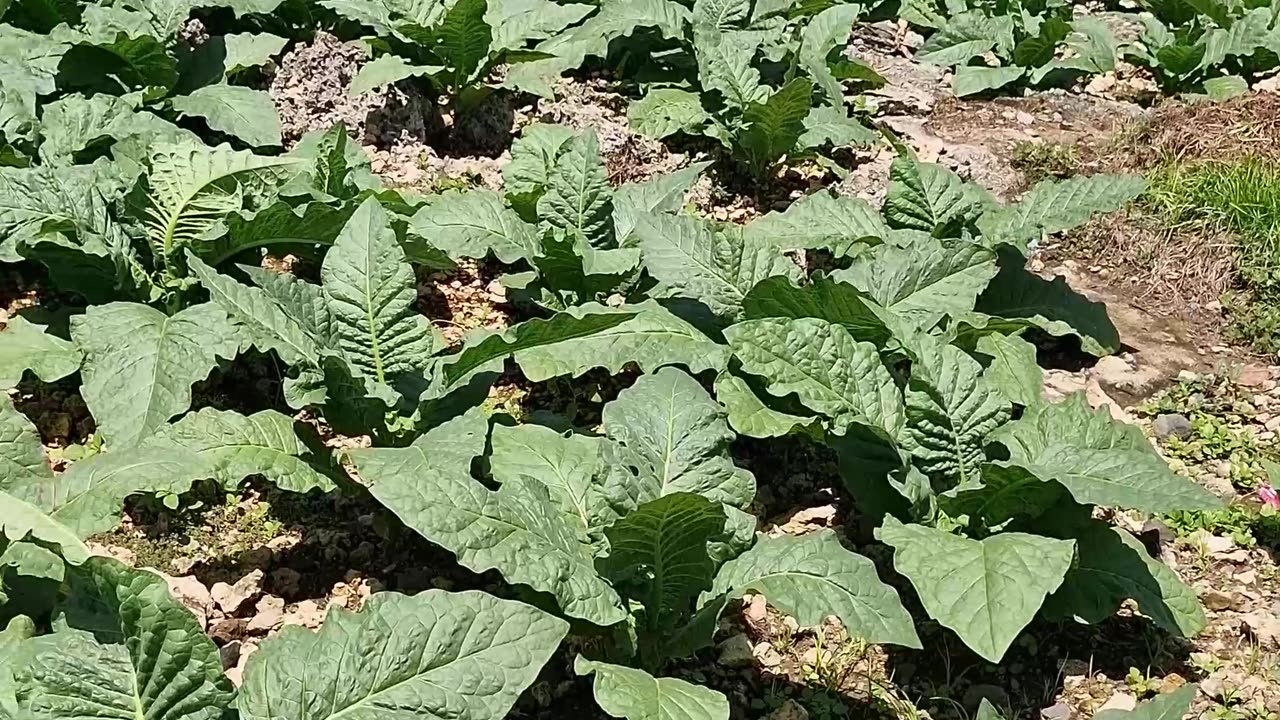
x=230 y=654
x=736 y=652
x=1172 y=425
x=231 y=598
x=1059 y=711
x=1120 y=701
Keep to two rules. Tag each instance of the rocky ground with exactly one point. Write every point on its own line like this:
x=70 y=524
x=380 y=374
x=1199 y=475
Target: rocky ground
x=248 y=564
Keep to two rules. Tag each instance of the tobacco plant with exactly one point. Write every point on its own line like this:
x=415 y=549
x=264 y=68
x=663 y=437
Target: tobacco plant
x=641 y=532
x=455 y=47
x=1213 y=48
x=912 y=363
x=115 y=642
x=1039 y=43
x=768 y=87
x=76 y=73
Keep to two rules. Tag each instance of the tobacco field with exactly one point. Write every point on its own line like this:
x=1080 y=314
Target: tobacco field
x=644 y=359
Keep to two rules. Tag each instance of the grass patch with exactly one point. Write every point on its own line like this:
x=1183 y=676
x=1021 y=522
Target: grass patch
x=1045 y=161
x=1243 y=199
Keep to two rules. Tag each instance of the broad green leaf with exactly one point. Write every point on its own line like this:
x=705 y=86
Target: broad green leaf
x=1051 y=305
x=771 y=128
x=986 y=590
x=972 y=79
x=250 y=50
x=987 y=711
x=821 y=220
x=27 y=346
x=311 y=225
x=20 y=520
x=578 y=199
x=1241 y=36
x=139 y=364
x=515 y=22
x=1073 y=420
x=811 y=577
x=720 y=14
x=1170 y=706
x=1224 y=88
x=963 y=37
x=123 y=648
x=823 y=298
x=829 y=371
x=1040 y=48
x=664 y=544
x=22 y=459
x=1013 y=371
x=462 y=40
x=74 y=123
x=950 y=411
x=652 y=338
x=243 y=113
x=1112 y=567
x=1003 y=494
x=237 y=446
x=827 y=30
x=925 y=280
x=572 y=467
x=661 y=194
x=373 y=294
x=625 y=692
x=1100 y=461
x=724 y=66
x=663 y=112
x=473 y=224
x=833 y=126
x=1133 y=479
x=89 y=497
x=29 y=61
x=678 y=438
x=517 y=530
x=1056 y=206
x=465 y=655
x=192 y=187
x=747 y=413
x=263 y=321
x=690 y=258
x=485 y=353
x=533 y=160
x=616 y=19
x=39 y=200
x=1179 y=59
x=928 y=197
x=387 y=70
x=1092 y=46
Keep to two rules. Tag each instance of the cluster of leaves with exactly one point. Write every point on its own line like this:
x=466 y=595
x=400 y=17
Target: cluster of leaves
x=909 y=362
x=77 y=73
x=117 y=644
x=641 y=532
x=908 y=359
x=747 y=75
x=1039 y=42
x=1213 y=48
x=454 y=46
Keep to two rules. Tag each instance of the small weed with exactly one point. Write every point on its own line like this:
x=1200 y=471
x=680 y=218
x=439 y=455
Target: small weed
x=1141 y=684
x=1206 y=663
x=1041 y=161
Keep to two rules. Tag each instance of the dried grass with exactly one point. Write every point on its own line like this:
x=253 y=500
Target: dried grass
x=1248 y=126
x=1166 y=268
